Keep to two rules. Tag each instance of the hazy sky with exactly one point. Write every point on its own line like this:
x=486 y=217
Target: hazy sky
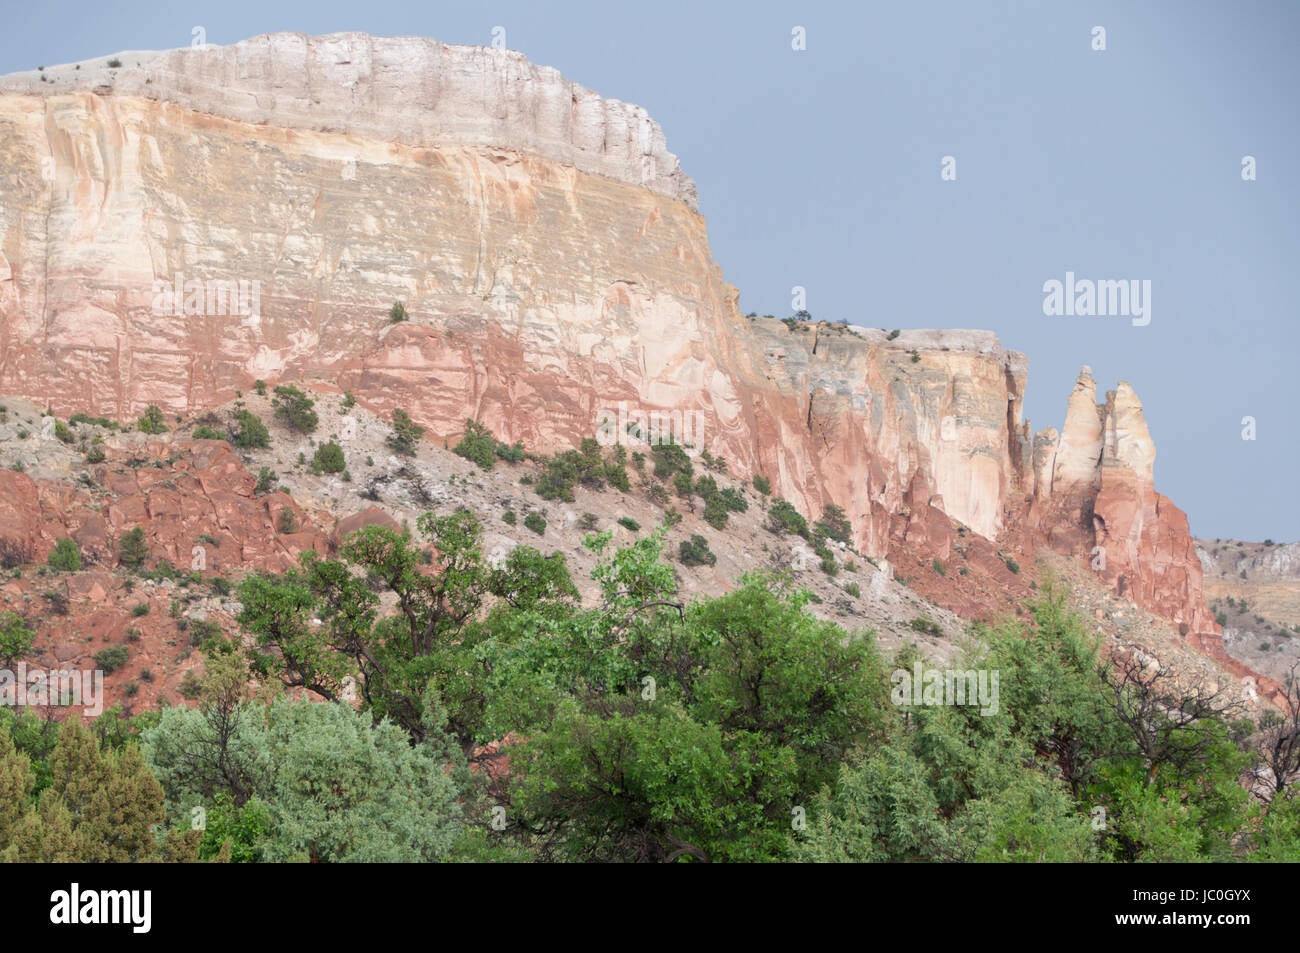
x=821 y=168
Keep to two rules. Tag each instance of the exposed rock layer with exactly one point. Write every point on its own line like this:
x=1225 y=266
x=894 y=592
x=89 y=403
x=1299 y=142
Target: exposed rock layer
x=548 y=250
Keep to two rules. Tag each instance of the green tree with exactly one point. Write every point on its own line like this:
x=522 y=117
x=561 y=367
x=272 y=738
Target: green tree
x=100 y=805
x=16 y=785
x=696 y=552
x=293 y=408
x=66 y=556
x=662 y=733
x=152 y=421
x=435 y=643
x=249 y=432
x=111 y=658
x=133 y=549
x=16 y=639
x=478 y=445
x=834 y=524
x=405 y=436
x=325 y=783
x=265 y=481
x=329 y=458
x=783 y=518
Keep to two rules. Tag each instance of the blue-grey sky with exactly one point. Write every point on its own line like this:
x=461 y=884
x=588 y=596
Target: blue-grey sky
x=821 y=168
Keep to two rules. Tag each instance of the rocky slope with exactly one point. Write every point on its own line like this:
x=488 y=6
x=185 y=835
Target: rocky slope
x=1254 y=589
x=553 y=265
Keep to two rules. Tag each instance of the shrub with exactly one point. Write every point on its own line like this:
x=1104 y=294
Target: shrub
x=62 y=432
x=509 y=517
x=696 y=552
x=66 y=556
x=286 y=522
x=329 y=458
x=628 y=523
x=589 y=521
x=893 y=334
x=1011 y=564
x=265 y=481
x=405 y=437
x=132 y=549
x=924 y=624
x=16 y=638
x=95 y=421
x=95 y=454
x=115 y=63
x=733 y=500
x=204 y=432
x=58 y=603
x=670 y=458
x=685 y=489
x=397 y=312
x=293 y=408
x=853 y=589
x=250 y=432
x=152 y=421
x=937 y=566
x=834 y=524
x=618 y=478
x=715 y=512
x=558 y=477
x=260 y=387
x=140 y=609
x=783 y=518
x=13 y=553
x=111 y=658
x=536 y=522
x=477 y=446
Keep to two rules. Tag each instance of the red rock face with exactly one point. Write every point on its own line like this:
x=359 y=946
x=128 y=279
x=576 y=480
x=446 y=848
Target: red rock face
x=1094 y=497
x=1150 y=556
x=199 y=497
x=195 y=502
x=553 y=264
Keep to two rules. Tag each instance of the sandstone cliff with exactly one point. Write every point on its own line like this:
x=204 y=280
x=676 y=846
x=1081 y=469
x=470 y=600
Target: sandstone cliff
x=549 y=252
